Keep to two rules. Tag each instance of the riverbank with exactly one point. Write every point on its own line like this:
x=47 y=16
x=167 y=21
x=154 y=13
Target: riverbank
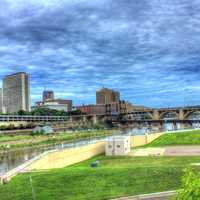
x=24 y=141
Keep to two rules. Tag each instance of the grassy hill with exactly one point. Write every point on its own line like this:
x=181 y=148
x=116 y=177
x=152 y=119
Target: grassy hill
x=116 y=176
x=179 y=138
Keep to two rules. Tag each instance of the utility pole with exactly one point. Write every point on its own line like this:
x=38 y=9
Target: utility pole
x=33 y=192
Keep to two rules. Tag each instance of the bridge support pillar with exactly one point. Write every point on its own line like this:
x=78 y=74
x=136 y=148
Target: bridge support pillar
x=71 y=119
x=84 y=119
x=156 y=115
x=175 y=125
x=94 y=119
x=181 y=115
x=161 y=126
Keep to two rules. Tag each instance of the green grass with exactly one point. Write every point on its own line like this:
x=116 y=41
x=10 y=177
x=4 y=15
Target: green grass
x=180 y=138
x=7 y=138
x=119 y=176
x=44 y=140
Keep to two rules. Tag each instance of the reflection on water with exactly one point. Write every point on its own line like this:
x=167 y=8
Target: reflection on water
x=12 y=159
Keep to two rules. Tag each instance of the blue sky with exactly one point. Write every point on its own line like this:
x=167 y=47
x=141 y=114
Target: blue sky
x=147 y=49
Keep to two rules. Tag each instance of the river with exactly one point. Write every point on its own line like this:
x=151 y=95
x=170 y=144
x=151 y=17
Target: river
x=13 y=158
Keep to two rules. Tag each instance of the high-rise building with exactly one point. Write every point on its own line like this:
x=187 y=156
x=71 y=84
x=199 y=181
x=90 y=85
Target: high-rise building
x=48 y=95
x=16 y=92
x=1 y=100
x=107 y=96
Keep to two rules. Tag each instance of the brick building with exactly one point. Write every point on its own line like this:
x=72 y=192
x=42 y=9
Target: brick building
x=107 y=96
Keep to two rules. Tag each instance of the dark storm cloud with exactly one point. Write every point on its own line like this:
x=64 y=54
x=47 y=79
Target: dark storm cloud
x=149 y=50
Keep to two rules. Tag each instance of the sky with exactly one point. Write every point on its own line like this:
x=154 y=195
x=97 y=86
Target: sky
x=149 y=50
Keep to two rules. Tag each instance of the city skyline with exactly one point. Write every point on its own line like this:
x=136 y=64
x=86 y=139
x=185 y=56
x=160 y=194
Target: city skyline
x=147 y=50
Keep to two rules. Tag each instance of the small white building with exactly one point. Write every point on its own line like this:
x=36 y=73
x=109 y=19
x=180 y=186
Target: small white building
x=118 y=146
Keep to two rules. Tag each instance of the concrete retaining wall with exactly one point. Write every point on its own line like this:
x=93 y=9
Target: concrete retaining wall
x=67 y=157
x=140 y=140
x=22 y=168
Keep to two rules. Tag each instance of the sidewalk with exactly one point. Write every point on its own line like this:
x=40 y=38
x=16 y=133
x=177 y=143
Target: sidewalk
x=154 y=196
x=188 y=150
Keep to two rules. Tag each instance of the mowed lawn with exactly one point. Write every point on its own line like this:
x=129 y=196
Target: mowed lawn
x=179 y=138
x=116 y=176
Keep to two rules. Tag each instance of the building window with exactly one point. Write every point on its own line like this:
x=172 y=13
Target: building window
x=110 y=146
x=118 y=146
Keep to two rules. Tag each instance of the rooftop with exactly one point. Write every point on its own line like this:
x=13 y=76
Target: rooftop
x=16 y=74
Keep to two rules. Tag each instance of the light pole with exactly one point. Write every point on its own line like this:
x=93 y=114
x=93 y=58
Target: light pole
x=32 y=189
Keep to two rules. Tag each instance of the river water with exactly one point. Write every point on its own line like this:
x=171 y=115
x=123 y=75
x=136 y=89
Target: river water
x=13 y=158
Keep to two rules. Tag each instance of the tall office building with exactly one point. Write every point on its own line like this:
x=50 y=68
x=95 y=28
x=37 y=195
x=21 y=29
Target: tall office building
x=107 y=96
x=48 y=95
x=16 y=92
x=1 y=100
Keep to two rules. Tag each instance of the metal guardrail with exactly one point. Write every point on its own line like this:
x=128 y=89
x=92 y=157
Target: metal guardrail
x=10 y=174
x=6 y=177
x=5 y=118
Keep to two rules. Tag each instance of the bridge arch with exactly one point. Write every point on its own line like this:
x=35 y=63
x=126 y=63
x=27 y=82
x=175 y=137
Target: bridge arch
x=169 y=115
x=192 y=115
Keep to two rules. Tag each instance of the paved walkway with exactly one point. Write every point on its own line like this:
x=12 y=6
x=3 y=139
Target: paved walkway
x=168 y=151
x=154 y=196
x=182 y=151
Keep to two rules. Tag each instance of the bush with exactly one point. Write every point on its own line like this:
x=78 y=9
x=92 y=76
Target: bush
x=11 y=127
x=98 y=126
x=30 y=125
x=3 y=127
x=21 y=126
x=37 y=133
x=191 y=186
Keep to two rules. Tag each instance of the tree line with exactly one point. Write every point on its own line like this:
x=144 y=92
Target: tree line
x=46 y=112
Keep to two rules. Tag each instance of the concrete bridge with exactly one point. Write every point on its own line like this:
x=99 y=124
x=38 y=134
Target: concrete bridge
x=162 y=114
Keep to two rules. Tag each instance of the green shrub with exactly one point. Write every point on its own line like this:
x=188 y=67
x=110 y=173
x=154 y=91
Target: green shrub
x=21 y=126
x=191 y=186
x=3 y=127
x=11 y=127
x=37 y=133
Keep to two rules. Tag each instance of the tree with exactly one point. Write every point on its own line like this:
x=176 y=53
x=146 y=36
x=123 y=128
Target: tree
x=190 y=185
x=49 y=112
x=22 y=112
x=75 y=112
